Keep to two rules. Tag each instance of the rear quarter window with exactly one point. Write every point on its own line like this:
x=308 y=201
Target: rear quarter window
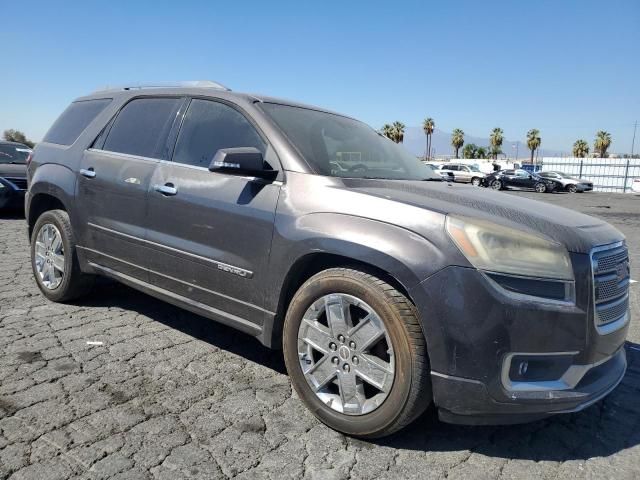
x=68 y=127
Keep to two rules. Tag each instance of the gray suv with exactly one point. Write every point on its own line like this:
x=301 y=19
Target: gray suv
x=387 y=288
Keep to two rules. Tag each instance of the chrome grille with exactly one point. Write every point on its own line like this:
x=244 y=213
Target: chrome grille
x=611 y=275
x=607 y=313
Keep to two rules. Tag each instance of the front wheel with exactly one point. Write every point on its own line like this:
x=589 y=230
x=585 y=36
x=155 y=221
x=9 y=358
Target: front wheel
x=540 y=187
x=496 y=185
x=475 y=181
x=572 y=188
x=355 y=352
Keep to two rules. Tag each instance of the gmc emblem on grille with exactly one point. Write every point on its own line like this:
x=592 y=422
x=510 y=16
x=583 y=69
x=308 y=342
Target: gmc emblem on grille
x=622 y=270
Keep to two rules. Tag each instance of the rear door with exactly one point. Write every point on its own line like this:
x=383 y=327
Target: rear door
x=114 y=179
x=211 y=232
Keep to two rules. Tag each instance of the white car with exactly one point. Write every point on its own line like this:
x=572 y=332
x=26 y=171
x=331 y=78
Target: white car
x=448 y=176
x=635 y=185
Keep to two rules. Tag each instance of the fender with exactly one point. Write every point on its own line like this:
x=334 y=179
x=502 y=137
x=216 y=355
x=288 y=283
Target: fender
x=54 y=180
x=408 y=257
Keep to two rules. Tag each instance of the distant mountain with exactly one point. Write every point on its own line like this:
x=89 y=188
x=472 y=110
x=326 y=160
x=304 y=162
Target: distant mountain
x=416 y=142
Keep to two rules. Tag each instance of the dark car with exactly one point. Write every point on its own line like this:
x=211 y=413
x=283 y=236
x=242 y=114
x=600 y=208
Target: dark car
x=522 y=180
x=388 y=289
x=13 y=174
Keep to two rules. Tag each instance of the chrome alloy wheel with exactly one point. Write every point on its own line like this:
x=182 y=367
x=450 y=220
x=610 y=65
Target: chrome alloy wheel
x=345 y=354
x=49 y=253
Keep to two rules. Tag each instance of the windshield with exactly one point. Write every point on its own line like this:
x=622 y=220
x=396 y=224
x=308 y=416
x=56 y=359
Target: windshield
x=473 y=168
x=13 y=153
x=338 y=146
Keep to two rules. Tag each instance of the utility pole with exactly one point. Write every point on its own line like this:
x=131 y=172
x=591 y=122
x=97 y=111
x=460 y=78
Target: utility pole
x=633 y=142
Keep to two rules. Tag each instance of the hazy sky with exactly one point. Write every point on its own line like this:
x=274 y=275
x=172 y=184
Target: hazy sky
x=568 y=68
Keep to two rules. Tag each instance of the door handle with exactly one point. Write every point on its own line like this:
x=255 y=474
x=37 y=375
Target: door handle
x=167 y=189
x=88 y=172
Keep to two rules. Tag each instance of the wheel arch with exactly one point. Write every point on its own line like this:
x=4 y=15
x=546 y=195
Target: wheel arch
x=52 y=187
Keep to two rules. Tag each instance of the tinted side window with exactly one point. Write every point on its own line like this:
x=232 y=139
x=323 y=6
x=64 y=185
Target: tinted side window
x=68 y=127
x=209 y=126
x=142 y=126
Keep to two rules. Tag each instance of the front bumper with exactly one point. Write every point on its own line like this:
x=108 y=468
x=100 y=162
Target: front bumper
x=474 y=327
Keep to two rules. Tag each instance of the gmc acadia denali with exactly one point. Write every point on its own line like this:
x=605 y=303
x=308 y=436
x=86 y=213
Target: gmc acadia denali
x=387 y=288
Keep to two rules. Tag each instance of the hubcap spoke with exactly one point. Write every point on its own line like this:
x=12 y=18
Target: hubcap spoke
x=322 y=372
x=337 y=314
x=375 y=371
x=349 y=393
x=366 y=333
x=315 y=334
x=58 y=262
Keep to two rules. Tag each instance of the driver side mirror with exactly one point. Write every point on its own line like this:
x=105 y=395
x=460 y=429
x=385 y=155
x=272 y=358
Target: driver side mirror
x=242 y=161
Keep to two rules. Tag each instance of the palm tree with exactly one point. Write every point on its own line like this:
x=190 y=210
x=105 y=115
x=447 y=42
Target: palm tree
x=428 y=126
x=398 y=132
x=481 y=152
x=533 y=141
x=495 y=140
x=457 y=140
x=387 y=131
x=602 y=143
x=580 y=148
x=470 y=150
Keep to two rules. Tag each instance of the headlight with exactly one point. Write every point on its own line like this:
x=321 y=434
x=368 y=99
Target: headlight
x=492 y=247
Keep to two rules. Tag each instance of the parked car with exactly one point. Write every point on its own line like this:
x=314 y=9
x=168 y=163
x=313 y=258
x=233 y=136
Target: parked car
x=448 y=176
x=568 y=183
x=464 y=173
x=635 y=185
x=13 y=174
x=522 y=180
x=388 y=289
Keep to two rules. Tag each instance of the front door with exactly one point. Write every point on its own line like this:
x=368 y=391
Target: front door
x=211 y=232
x=113 y=184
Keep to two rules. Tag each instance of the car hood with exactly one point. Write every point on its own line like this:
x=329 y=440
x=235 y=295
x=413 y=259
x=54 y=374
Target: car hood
x=578 y=232
x=13 y=170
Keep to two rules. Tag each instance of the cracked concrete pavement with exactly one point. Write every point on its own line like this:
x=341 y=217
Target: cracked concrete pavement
x=166 y=394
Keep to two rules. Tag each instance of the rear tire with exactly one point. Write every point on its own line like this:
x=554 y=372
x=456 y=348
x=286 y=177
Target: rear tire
x=407 y=392
x=475 y=181
x=55 y=262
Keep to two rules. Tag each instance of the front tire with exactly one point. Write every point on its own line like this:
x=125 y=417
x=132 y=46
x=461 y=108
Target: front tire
x=355 y=352
x=540 y=187
x=475 y=181
x=572 y=188
x=496 y=185
x=54 y=260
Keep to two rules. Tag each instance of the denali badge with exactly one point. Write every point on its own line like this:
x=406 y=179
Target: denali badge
x=235 y=270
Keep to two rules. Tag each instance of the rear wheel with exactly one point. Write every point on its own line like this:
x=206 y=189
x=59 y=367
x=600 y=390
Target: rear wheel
x=54 y=260
x=475 y=181
x=540 y=187
x=355 y=353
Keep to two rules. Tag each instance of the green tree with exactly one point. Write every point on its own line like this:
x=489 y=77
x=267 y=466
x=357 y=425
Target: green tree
x=580 y=148
x=493 y=152
x=12 y=135
x=398 y=131
x=457 y=140
x=602 y=143
x=428 y=126
x=533 y=141
x=495 y=140
x=481 y=152
x=470 y=150
x=387 y=131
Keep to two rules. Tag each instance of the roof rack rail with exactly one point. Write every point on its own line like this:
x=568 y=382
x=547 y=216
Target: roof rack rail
x=184 y=84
